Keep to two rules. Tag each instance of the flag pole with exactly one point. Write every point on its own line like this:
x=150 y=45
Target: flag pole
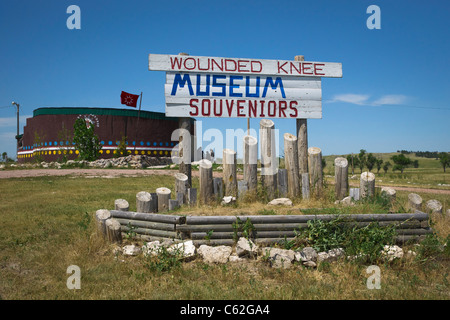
x=137 y=126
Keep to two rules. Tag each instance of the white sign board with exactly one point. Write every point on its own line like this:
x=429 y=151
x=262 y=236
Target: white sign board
x=248 y=88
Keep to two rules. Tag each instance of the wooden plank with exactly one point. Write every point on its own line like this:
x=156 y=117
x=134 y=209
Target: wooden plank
x=164 y=62
x=151 y=232
x=152 y=217
x=243 y=108
x=199 y=220
x=147 y=224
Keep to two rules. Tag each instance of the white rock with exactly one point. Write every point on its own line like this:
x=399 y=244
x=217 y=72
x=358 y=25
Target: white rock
x=246 y=247
x=392 y=252
x=131 y=250
x=235 y=259
x=307 y=254
x=310 y=264
x=186 y=249
x=281 y=201
x=280 y=262
x=151 y=248
x=335 y=254
x=272 y=252
x=219 y=254
x=322 y=256
x=228 y=200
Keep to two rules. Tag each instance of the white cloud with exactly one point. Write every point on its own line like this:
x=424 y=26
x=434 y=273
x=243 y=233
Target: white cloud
x=12 y=121
x=363 y=99
x=360 y=99
x=392 y=99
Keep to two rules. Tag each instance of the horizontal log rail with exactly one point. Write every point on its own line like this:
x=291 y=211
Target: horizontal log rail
x=265 y=229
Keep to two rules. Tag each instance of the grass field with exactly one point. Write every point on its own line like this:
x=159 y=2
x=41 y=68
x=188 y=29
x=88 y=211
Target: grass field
x=47 y=225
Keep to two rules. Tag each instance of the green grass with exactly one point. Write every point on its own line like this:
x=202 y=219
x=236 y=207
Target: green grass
x=47 y=225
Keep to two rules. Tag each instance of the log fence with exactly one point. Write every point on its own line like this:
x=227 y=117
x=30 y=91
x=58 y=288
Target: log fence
x=223 y=230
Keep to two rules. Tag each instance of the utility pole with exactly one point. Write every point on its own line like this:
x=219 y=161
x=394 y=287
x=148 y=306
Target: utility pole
x=17 y=136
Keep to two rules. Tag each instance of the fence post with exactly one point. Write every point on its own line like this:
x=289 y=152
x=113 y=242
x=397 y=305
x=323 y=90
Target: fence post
x=251 y=162
x=291 y=163
x=269 y=164
x=340 y=177
x=206 y=181
x=229 y=172
x=315 y=169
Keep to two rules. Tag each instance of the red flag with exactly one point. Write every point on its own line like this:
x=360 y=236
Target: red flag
x=129 y=99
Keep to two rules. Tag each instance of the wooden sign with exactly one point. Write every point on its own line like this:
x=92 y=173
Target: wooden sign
x=248 y=88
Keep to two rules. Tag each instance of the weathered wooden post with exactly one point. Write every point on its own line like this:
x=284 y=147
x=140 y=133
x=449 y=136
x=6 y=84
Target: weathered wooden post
x=173 y=204
x=434 y=206
x=340 y=177
x=163 y=199
x=251 y=162
x=113 y=232
x=101 y=216
x=389 y=193
x=218 y=188
x=143 y=199
x=185 y=145
x=291 y=163
x=153 y=202
x=305 y=185
x=181 y=184
x=315 y=169
x=367 y=185
x=302 y=137
x=229 y=172
x=121 y=204
x=206 y=181
x=414 y=201
x=269 y=164
x=282 y=183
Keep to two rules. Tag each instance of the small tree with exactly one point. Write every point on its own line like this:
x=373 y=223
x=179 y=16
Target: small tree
x=444 y=159
x=400 y=162
x=386 y=166
x=86 y=142
x=121 y=148
x=370 y=162
x=4 y=156
x=362 y=159
x=379 y=164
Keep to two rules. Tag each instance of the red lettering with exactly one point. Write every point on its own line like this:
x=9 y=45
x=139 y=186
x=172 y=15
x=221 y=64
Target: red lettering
x=199 y=68
x=281 y=109
x=230 y=107
x=252 y=108
x=299 y=70
x=240 y=107
x=254 y=70
x=193 y=66
x=208 y=111
x=271 y=114
x=262 y=109
x=317 y=69
x=176 y=61
x=193 y=106
x=281 y=67
x=226 y=65
x=307 y=68
x=293 y=108
x=220 y=67
x=242 y=66
x=216 y=113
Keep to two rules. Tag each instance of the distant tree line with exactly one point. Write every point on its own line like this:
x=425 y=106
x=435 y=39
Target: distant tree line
x=423 y=154
x=5 y=158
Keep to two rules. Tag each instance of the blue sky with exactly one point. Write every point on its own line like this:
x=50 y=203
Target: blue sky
x=394 y=93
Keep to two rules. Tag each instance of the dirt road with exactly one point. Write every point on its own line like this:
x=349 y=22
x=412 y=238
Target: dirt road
x=112 y=173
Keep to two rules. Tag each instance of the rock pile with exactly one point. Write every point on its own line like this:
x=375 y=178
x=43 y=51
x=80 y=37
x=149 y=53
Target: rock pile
x=246 y=250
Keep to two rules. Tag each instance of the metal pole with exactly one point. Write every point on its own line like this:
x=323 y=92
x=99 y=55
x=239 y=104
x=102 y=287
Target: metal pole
x=17 y=136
